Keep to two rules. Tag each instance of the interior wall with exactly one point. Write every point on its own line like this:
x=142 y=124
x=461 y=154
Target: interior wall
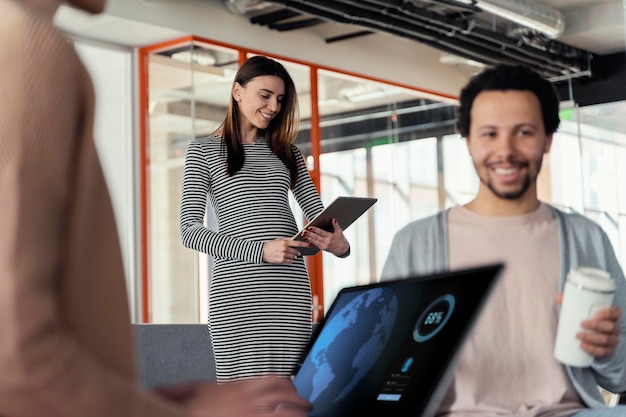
x=111 y=74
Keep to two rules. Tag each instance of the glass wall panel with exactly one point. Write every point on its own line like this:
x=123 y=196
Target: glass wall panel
x=369 y=147
x=345 y=174
x=565 y=163
x=587 y=169
x=189 y=90
x=459 y=176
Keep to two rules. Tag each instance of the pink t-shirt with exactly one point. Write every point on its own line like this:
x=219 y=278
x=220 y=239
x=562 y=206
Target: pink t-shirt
x=507 y=364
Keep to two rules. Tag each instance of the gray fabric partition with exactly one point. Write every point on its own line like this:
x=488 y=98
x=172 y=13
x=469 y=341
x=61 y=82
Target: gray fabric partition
x=172 y=353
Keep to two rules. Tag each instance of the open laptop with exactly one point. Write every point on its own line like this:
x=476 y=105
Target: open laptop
x=390 y=348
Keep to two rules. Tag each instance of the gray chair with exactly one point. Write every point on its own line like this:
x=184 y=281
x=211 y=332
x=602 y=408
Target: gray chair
x=172 y=353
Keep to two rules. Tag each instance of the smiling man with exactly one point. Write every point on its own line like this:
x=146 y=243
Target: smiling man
x=507 y=115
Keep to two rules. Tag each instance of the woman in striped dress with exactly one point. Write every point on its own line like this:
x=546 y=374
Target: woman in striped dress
x=260 y=296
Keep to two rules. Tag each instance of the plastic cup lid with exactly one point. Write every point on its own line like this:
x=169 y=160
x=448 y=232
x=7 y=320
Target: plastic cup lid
x=592 y=279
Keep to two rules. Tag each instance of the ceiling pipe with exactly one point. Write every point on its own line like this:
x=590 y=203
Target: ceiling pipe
x=386 y=16
x=528 y=13
x=341 y=12
x=552 y=55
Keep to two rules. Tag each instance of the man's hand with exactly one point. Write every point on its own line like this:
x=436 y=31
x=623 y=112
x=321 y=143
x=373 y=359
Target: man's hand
x=249 y=398
x=602 y=332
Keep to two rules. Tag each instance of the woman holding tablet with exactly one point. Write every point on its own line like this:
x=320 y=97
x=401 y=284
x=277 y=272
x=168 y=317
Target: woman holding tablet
x=260 y=296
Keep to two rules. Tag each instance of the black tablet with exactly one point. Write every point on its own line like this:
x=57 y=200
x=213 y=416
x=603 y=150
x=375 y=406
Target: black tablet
x=345 y=209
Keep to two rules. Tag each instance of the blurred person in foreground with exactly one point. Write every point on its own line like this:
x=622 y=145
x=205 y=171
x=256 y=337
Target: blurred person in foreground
x=508 y=115
x=65 y=335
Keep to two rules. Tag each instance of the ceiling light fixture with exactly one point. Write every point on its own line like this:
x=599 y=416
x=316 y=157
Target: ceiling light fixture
x=244 y=6
x=196 y=56
x=457 y=60
x=531 y=14
x=371 y=95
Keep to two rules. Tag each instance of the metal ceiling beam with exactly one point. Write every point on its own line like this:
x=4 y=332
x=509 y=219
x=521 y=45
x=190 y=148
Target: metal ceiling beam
x=275 y=16
x=350 y=35
x=295 y=24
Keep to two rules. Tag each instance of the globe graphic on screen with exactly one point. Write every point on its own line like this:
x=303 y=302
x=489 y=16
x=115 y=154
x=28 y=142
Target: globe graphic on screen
x=347 y=348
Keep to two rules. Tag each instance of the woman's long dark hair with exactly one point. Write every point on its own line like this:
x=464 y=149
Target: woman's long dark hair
x=283 y=128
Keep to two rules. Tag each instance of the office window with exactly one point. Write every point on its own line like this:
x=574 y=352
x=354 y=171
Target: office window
x=459 y=176
x=587 y=170
x=377 y=140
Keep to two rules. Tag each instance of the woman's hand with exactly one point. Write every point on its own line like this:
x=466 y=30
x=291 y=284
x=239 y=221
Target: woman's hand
x=334 y=242
x=282 y=250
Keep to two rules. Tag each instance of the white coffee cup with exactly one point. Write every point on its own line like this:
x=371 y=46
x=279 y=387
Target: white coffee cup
x=587 y=290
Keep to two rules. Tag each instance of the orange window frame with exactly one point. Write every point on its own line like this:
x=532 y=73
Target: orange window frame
x=314 y=263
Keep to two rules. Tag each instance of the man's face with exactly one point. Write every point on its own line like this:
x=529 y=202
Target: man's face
x=507 y=142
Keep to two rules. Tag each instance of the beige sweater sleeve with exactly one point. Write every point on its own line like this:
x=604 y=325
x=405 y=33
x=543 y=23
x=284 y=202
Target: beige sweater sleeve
x=65 y=344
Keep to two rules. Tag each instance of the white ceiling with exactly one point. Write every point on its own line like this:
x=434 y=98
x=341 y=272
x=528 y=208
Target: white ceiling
x=113 y=29
x=594 y=25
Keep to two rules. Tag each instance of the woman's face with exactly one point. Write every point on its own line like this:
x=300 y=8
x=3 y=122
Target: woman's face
x=259 y=101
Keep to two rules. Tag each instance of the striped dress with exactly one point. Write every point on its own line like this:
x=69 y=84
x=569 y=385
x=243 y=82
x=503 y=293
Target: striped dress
x=259 y=313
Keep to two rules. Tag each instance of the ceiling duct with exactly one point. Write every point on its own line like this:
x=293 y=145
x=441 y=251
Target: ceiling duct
x=528 y=13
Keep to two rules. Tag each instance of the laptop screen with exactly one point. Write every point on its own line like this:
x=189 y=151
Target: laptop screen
x=389 y=348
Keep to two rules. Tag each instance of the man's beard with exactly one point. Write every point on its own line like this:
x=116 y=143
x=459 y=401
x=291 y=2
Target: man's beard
x=513 y=195
x=510 y=195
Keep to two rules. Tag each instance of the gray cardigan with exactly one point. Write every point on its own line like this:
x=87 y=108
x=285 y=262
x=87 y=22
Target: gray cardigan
x=421 y=247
